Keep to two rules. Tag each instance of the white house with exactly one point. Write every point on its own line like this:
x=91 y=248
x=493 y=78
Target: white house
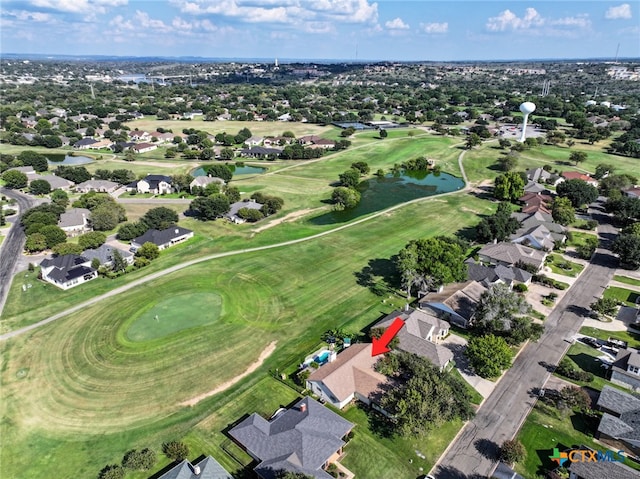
x=75 y=221
x=156 y=184
x=67 y=271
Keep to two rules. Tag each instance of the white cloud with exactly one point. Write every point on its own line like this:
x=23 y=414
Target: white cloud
x=396 y=24
x=145 y=21
x=284 y=11
x=508 y=20
x=621 y=11
x=435 y=27
x=581 y=21
x=29 y=16
x=79 y=6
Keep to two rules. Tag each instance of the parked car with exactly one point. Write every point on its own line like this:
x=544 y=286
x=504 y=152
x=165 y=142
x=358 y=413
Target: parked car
x=593 y=342
x=617 y=343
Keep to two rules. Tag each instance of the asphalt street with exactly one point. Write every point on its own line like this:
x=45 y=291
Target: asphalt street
x=12 y=245
x=475 y=451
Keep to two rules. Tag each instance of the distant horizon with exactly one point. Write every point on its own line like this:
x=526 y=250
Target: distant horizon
x=188 y=58
x=345 y=30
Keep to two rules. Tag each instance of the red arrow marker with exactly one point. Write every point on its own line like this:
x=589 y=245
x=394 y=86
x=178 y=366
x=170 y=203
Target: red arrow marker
x=380 y=345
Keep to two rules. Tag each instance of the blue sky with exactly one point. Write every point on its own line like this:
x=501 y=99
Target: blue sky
x=323 y=29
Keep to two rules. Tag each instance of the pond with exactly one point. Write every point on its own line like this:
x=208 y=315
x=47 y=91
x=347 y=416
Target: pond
x=56 y=160
x=236 y=170
x=381 y=193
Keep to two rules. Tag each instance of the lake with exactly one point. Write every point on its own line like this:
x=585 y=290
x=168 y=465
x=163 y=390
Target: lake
x=236 y=170
x=381 y=193
x=60 y=159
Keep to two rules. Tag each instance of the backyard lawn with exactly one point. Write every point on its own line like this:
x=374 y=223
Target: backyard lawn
x=627 y=280
x=622 y=295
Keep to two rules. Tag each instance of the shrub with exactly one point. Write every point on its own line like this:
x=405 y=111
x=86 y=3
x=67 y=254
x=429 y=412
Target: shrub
x=512 y=451
x=175 y=450
x=521 y=288
x=112 y=471
x=566 y=369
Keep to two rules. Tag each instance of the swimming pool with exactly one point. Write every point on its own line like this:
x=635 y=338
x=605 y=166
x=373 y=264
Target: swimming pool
x=322 y=358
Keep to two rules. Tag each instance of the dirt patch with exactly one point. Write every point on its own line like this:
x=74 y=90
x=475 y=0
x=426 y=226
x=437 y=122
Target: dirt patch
x=290 y=217
x=226 y=385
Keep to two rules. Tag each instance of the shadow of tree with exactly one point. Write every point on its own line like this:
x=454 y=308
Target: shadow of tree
x=487 y=448
x=444 y=472
x=379 y=275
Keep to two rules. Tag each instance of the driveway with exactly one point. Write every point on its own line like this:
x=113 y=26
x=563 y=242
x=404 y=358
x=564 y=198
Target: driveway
x=626 y=317
x=457 y=345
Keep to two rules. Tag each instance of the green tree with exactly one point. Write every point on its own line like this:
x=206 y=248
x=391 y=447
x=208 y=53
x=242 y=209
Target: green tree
x=497 y=310
x=383 y=133
x=128 y=231
x=345 y=198
x=498 y=226
x=219 y=171
x=148 y=251
x=362 y=167
x=62 y=249
x=14 y=179
x=210 y=207
x=232 y=193
x=227 y=154
x=92 y=240
x=562 y=211
x=605 y=306
x=139 y=460
x=60 y=197
x=175 y=450
x=349 y=178
x=160 y=218
x=104 y=218
x=489 y=355
x=512 y=451
x=578 y=157
x=53 y=234
x=112 y=471
x=578 y=191
x=181 y=182
x=432 y=262
x=35 y=242
x=34 y=159
x=575 y=397
x=602 y=170
x=509 y=186
x=249 y=214
x=118 y=262
x=427 y=399
x=473 y=140
x=39 y=187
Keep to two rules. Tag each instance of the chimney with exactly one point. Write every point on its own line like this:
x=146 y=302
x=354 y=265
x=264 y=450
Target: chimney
x=303 y=407
x=196 y=469
x=177 y=231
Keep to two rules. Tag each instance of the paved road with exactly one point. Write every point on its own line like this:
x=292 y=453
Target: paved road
x=474 y=453
x=13 y=243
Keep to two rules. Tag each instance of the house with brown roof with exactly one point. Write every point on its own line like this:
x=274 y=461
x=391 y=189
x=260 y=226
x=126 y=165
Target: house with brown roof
x=456 y=302
x=144 y=147
x=350 y=376
x=421 y=334
x=576 y=175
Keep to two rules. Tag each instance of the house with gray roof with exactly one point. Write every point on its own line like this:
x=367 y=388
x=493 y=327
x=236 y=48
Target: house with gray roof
x=84 y=143
x=531 y=220
x=207 y=468
x=510 y=254
x=601 y=470
x=56 y=182
x=203 y=181
x=27 y=170
x=456 y=302
x=620 y=420
x=260 y=152
x=540 y=175
x=421 y=334
x=538 y=237
x=75 y=221
x=492 y=274
x=625 y=370
x=163 y=239
x=101 y=186
x=349 y=375
x=67 y=271
x=304 y=439
x=232 y=214
x=104 y=254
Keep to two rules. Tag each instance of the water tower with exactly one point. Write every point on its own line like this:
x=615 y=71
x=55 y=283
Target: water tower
x=526 y=108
